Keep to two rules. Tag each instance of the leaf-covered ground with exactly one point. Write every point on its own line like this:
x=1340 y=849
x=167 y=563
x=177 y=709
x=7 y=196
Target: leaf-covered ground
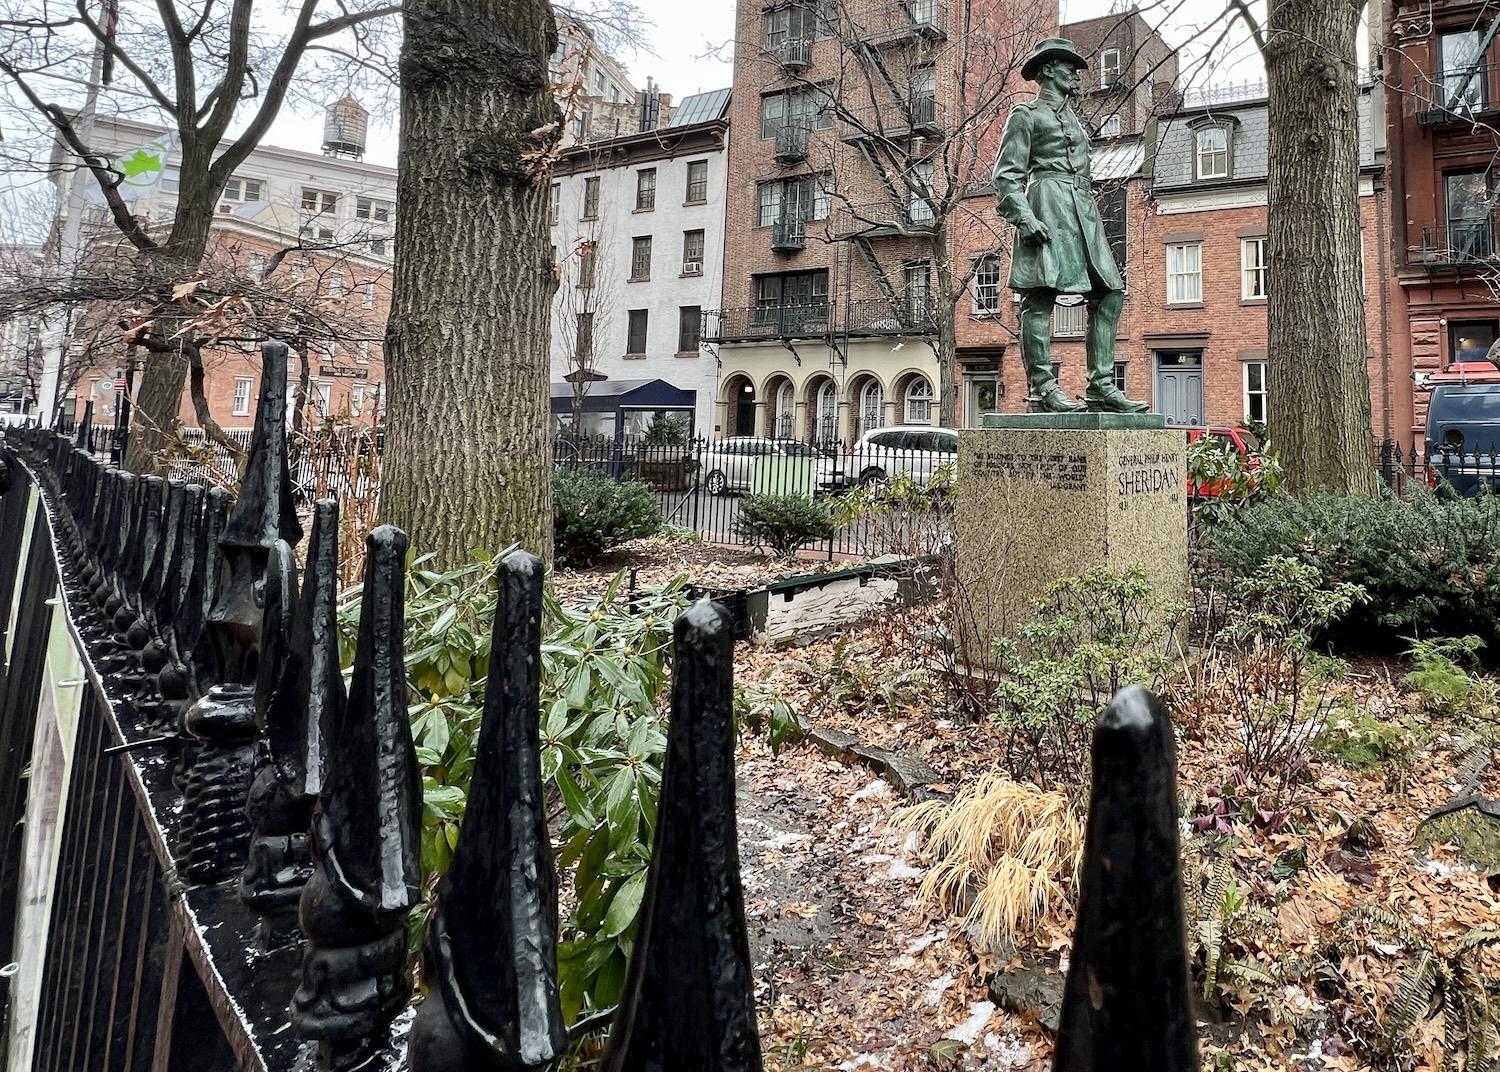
x=1326 y=915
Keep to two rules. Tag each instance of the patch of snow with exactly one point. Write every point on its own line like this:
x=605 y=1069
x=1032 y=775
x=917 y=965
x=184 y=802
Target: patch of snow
x=979 y=1016
x=865 y=1060
x=937 y=988
x=899 y=871
x=1009 y=1051
x=878 y=789
x=784 y=840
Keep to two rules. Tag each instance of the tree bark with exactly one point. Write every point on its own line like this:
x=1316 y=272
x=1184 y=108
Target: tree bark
x=467 y=454
x=1319 y=387
x=946 y=344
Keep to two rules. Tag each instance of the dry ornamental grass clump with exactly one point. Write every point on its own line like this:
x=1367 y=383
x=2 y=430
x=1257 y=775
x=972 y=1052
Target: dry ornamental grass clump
x=1004 y=853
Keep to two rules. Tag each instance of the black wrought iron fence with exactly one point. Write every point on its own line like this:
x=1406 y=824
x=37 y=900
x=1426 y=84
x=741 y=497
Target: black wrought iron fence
x=239 y=841
x=1459 y=471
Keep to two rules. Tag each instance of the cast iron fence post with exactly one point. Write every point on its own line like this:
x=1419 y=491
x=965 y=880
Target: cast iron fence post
x=491 y=948
x=1127 y=1006
x=366 y=835
x=688 y=1000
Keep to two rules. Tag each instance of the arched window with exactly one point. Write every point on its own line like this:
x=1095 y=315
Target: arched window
x=871 y=407
x=828 y=413
x=785 y=408
x=918 y=400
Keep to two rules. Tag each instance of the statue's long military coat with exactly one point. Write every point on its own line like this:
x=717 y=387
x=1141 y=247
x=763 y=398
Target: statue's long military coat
x=1042 y=173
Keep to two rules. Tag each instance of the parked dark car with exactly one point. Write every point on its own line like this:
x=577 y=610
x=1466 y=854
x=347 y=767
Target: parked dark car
x=1463 y=434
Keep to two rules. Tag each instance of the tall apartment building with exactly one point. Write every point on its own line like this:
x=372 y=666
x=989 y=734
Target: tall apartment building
x=638 y=234
x=1442 y=118
x=596 y=93
x=317 y=226
x=844 y=115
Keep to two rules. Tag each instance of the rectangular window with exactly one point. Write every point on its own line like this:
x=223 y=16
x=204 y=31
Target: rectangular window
x=257 y=266
x=1069 y=321
x=697 y=182
x=772 y=114
x=1110 y=127
x=804 y=294
x=583 y=343
x=692 y=252
x=356 y=399
x=241 y=190
x=171 y=178
x=1111 y=201
x=1255 y=392
x=242 y=386
x=362 y=352
x=1252 y=268
x=635 y=341
x=1119 y=374
x=322 y=396
x=1458 y=54
x=380 y=247
x=1185 y=273
x=689 y=324
x=918 y=278
x=554 y=205
x=336 y=285
x=590 y=198
x=1212 y=153
x=367 y=295
x=919 y=208
x=987 y=285
x=373 y=210
x=1470 y=340
x=640 y=258
x=1109 y=67
x=769 y=204
x=319 y=201
x=1470 y=215
x=645 y=189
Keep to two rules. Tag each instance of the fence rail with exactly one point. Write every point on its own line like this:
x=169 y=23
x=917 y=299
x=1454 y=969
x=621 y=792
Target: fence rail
x=233 y=815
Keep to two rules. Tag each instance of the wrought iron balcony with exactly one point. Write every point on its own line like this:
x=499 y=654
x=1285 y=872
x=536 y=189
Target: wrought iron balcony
x=908 y=314
x=896 y=22
x=922 y=114
x=747 y=324
x=1452 y=99
x=1462 y=243
x=791 y=142
x=885 y=219
x=795 y=53
x=789 y=234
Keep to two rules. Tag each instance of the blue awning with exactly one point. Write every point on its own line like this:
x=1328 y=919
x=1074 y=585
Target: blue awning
x=607 y=396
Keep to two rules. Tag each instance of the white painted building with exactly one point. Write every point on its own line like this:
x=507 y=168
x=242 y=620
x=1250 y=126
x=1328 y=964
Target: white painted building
x=638 y=233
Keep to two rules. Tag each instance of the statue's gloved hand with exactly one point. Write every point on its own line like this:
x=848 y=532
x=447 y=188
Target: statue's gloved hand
x=1034 y=231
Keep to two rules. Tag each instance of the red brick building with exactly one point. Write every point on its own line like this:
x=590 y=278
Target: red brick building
x=1442 y=114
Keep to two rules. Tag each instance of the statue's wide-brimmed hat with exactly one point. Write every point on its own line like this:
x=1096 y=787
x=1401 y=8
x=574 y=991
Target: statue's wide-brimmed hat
x=1047 y=50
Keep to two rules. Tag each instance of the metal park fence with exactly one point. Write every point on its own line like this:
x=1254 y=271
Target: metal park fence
x=212 y=849
x=1457 y=472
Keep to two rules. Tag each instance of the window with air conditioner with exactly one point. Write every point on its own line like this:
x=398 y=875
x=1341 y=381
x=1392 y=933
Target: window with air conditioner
x=692 y=252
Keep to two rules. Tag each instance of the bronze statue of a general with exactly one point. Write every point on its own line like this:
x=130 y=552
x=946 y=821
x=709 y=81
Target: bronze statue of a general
x=1043 y=185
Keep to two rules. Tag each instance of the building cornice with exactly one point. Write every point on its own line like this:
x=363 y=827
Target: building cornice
x=665 y=143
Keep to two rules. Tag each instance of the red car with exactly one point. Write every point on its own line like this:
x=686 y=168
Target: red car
x=1242 y=440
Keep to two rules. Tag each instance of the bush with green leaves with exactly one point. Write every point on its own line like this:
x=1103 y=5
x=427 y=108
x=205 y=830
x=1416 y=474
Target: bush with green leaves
x=1227 y=480
x=902 y=515
x=1444 y=673
x=1089 y=637
x=782 y=523
x=592 y=513
x=1430 y=566
x=665 y=431
x=604 y=677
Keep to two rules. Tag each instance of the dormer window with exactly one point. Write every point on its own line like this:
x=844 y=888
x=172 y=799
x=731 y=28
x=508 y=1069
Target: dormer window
x=1211 y=152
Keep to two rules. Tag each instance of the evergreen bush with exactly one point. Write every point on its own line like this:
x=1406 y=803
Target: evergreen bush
x=592 y=512
x=784 y=523
x=1429 y=566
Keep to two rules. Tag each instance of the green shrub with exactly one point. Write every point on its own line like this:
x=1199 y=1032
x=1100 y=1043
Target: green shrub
x=1357 y=739
x=1429 y=566
x=604 y=678
x=783 y=523
x=1214 y=464
x=1441 y=673
x=592 y=513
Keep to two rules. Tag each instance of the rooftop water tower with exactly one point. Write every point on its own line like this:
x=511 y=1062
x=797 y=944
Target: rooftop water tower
x=345 y=126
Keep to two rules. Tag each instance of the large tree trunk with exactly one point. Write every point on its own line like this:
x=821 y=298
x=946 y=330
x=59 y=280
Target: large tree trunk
x=946 y=344
x=1319 y=398
x=467 y=446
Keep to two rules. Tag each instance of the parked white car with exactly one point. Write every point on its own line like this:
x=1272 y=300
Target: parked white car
x=917 y=451
x=729 y=464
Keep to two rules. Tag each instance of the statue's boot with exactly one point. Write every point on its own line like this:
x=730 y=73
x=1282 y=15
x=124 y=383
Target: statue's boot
x=1110 y=399
x=1050 y=399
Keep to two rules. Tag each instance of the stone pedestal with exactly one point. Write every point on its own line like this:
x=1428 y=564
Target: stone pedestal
x=1046 y=496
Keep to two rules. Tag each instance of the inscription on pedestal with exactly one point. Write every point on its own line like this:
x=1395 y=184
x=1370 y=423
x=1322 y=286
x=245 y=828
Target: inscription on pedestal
x=1056 y=470
x=1156 y=473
